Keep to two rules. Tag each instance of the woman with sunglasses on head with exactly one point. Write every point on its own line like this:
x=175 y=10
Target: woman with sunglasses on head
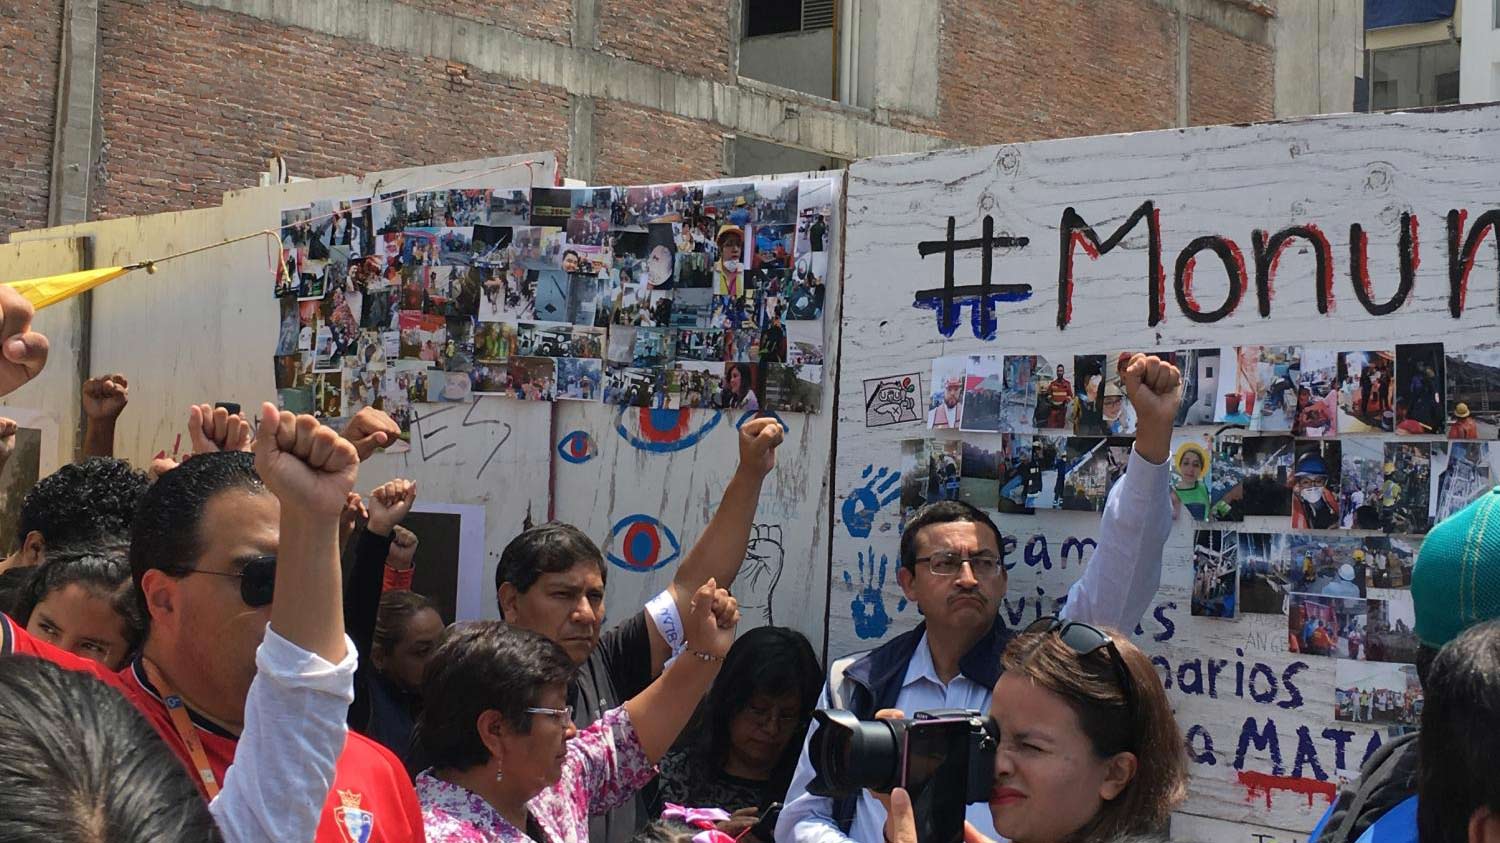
x=508 y=763
x=1089 y=751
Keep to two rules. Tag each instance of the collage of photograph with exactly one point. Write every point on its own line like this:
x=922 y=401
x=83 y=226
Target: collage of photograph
x=704 y=295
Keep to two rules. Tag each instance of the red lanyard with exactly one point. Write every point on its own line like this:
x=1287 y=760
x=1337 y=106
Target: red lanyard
x=185 y=728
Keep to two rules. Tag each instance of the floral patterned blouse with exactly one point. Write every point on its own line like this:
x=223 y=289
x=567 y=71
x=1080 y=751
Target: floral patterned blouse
x=605 y=765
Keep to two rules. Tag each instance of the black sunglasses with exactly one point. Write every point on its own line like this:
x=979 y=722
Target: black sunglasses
x=257 y=579
x=1084 y=640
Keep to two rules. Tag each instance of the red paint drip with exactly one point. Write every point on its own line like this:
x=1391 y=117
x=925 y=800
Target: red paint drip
x=1257 y=782
x=1082 y=240
x=1187 y=285
x=1161 y=275
x=1416 y=252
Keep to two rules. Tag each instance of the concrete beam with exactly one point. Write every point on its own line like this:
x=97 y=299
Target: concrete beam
x=75 y=128
x=1236 y=17
x=580 y=138
x=760 y=111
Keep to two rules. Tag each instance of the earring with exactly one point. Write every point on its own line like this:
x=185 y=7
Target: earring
x=499 y=775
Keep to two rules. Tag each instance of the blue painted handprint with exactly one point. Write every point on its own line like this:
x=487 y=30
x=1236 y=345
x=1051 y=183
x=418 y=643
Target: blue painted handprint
x=868 y=605
x=862 y=504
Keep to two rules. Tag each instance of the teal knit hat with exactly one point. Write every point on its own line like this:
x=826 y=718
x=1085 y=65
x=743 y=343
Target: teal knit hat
x=1456 y=580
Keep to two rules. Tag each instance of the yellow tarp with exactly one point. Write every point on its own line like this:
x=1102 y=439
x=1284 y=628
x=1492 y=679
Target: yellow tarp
x=42 y=292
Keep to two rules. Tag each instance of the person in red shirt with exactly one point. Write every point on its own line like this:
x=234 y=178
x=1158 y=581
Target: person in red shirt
x=222 y=546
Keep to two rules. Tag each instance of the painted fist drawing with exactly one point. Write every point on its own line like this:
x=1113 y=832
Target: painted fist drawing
x=868 y=605
x=756 y=585
x=862 y=504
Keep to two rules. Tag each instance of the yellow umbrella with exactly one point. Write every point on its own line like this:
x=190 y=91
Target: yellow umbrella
x=52 y=289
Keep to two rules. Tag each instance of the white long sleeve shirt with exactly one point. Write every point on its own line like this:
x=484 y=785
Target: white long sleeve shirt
x=294 y=732
x=1115 y=590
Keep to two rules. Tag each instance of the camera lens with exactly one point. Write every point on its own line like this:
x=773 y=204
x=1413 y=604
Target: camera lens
x=850 y=754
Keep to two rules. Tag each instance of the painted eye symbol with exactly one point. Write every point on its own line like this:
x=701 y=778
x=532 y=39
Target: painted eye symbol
x=577 y=447
x=663 y=431
x=643 y=544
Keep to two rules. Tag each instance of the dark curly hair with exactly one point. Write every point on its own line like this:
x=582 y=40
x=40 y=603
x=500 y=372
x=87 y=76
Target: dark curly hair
x=83 y=502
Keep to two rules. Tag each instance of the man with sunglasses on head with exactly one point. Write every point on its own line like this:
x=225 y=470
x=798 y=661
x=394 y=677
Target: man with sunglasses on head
x=951 y=567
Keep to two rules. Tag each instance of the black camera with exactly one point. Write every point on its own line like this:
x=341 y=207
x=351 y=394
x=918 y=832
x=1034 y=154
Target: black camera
x=944 y=759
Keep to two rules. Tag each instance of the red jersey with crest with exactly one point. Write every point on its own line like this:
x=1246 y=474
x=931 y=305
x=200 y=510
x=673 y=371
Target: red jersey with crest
x=371 y=801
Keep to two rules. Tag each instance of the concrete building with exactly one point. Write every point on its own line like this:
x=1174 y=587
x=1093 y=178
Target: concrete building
x=1432 y=52
x=124 y=107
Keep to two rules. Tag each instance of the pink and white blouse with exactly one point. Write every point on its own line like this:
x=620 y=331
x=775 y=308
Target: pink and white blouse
x=605 y=765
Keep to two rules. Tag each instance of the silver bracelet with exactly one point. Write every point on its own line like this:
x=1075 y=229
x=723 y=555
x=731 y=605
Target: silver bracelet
x=699 y=654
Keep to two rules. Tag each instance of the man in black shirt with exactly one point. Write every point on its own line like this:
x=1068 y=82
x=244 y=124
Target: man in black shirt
x=551 y=581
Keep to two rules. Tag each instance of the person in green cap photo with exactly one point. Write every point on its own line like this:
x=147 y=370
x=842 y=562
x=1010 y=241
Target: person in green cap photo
x=1455 y=585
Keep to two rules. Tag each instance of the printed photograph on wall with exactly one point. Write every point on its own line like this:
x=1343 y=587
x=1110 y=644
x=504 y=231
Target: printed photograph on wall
x=1333 y=566
x=1315 y=485
x=931 y=471
x=1317 y=411
x=1366 y=381
x=1251 y=475
x=1377 y=693
x=1473 y=394
x=1090 y=466
x=1018 y=391
x=1055 y=393
x=979 y=482
x=1419 y=389
x=1088 y=381
x=1190 y=466
x=1461 y=471
x=1392 y=635
x=946 y=392
x=1405 y=490
x=1389 y=560
x=1265 y=573
x=1259 y=392
x=1200 y=385
x=982 y=399
x=1327 y=626
x=1215 y=573
x=1361 y=478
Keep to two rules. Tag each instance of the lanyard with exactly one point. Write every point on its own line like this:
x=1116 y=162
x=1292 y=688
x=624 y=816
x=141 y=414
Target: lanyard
x=185 y=728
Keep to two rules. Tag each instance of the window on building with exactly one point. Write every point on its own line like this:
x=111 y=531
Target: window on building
x=789 y=43
x=1411 y=77
x=772 y=17
x=753 y=157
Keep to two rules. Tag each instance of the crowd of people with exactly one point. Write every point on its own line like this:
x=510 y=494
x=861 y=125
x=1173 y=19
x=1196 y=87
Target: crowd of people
x=228 y=647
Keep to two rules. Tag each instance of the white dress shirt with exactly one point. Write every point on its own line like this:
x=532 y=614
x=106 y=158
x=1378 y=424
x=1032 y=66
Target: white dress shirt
x=1115 y=590
x=294 y=732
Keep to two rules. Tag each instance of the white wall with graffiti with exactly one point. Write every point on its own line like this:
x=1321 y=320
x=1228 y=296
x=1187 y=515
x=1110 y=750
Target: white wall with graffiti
x=1092 y=250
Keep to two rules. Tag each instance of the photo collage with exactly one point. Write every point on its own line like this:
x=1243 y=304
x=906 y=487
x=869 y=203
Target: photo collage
x=701 y=295
x=1356 y=453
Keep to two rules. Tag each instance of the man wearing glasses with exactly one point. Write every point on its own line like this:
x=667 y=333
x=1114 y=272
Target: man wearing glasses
x=951 y=568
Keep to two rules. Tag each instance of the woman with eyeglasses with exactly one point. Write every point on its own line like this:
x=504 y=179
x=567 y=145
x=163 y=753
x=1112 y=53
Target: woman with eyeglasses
x=508 y=765
x=1089 y=751
x=742 y=748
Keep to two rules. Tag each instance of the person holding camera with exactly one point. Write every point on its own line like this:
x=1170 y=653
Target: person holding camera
x=952 y=569
x=1087 y=749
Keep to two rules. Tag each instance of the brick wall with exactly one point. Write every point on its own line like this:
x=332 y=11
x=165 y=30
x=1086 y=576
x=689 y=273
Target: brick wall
x=1081 y=67
x=684 y=36
x=550 y=19
x=194 y=101
x=30 y=34
x=640 y=146
x=1229 y=80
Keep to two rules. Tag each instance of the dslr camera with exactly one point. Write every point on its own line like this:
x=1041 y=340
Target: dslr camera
x=945 y=759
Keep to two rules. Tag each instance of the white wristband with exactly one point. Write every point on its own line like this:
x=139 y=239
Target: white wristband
x=662 y=610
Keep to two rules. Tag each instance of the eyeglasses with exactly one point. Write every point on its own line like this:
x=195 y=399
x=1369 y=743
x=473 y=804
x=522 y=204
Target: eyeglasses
x=770 y=717
x=946 y=563
x=564 y=715
x=257 y=579
x=1084 y=640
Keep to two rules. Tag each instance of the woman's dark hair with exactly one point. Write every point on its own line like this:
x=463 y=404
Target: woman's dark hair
x=78 y=764
x=747 y=379
x=1091 y=687
x=103 y=570
x=480 y=667
x=769 y=660
x=1458 y=743
x=397 y=608
x=551 y=548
